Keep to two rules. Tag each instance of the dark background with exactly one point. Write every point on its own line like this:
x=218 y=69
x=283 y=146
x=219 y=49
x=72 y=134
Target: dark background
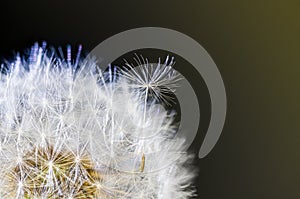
x=254 y=43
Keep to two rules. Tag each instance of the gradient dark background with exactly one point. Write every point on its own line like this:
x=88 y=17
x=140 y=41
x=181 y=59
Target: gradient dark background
x=254 y=43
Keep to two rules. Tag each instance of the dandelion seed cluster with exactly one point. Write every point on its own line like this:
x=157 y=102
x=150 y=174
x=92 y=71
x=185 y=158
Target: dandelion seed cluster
x=70 y=130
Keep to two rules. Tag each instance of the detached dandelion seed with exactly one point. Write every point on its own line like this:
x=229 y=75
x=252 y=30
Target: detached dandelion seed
x=69 y=130
x=156 y=80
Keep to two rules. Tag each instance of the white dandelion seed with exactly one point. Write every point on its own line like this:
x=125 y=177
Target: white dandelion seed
x=155 y=80
x=69 y=130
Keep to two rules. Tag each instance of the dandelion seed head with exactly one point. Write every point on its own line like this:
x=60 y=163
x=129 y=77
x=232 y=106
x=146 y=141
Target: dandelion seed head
x=70 y=130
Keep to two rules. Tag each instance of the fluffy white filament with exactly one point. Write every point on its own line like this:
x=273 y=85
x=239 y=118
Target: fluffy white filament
x=118 y=120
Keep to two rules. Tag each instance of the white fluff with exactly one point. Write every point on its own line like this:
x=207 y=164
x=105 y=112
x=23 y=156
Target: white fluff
x=116 y=119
